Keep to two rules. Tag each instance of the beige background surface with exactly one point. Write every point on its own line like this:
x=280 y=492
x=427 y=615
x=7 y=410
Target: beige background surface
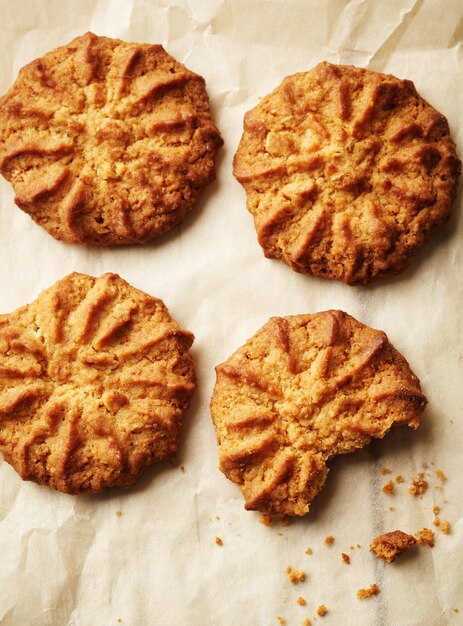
x=72 y=560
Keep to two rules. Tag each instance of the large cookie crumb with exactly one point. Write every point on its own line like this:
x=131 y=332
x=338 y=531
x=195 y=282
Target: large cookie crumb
x=391 y=545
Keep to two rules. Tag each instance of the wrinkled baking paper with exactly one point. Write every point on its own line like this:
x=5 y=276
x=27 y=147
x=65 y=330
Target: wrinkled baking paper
x=148 y=556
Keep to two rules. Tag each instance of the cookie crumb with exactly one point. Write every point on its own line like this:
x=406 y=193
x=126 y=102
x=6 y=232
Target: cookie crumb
x=295 y=575
x=118 y=513
x=281 y=620
x=329 y=540
x=399 y=479
x=456 y=610
x=391 y=545
x=436 y=509
x=182 y=468
x=345 y=557
x=309 y=551
x=265 y=519
x=388 y=487
x=301 y=601
x=119 y=621
x=322 y=610
x=307 y=622
x=219 y=541
x=444 y=527
x=392 y=508
x=419 y=485
x=372 y=590
x=436 y=521
x=425 y=537
x=385 y=470
x=440 y=475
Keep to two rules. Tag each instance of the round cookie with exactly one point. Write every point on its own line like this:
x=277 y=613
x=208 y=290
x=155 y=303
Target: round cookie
x=107 y=142
x=300 y=391
x=94 y=378
x=347 y=172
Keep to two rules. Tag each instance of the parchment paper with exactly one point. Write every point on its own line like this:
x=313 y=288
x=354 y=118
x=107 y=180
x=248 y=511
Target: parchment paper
x=147 y=556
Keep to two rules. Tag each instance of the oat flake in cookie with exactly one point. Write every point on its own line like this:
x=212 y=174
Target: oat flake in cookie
x=94 y=378
x=300 y=391
x=347 y=172
x=107 y=142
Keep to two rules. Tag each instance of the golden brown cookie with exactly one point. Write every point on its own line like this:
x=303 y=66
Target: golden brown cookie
x=300 y=391
x=347 y=172
x=94 y=378
x=107 y=142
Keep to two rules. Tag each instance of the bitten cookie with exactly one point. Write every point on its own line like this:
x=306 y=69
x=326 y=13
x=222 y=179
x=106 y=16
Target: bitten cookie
x=94 y=378
x=300 y=391
x=107 y=142
x=347 y=172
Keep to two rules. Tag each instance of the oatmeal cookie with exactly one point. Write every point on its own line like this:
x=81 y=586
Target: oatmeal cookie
x=107 y=142
x=303 y=389
x=347 y=172
x=94 y=378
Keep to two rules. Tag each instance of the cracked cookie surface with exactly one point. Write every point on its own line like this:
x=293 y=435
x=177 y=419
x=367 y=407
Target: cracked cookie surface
x=303 y=389
x=107 y=142
x=347 y=172
x=94 y=378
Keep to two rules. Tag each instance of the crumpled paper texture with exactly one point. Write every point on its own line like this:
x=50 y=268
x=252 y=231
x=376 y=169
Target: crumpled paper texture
x=147 y=556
